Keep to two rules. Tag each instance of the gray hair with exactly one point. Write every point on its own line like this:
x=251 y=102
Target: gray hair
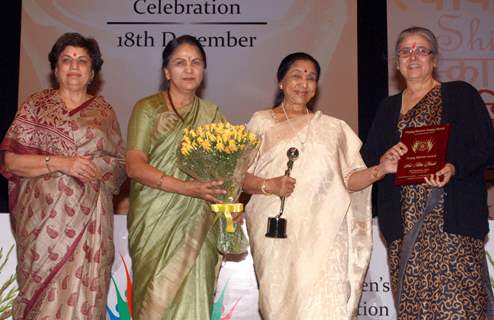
x=424 y=32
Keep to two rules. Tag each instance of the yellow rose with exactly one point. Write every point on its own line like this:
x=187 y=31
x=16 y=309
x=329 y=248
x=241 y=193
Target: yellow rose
x=206 y=145
x=220 y=146
x=232 y=146
x=226 y=137
x=252 y=138
x=185 y=150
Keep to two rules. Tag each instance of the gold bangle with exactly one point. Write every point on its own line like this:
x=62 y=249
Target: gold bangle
x=160 y=182
x=47 y=159
x=375 y=172
x=263 y=188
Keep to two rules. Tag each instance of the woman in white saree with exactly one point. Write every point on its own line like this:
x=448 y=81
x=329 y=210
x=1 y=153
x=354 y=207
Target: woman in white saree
x=318 y=270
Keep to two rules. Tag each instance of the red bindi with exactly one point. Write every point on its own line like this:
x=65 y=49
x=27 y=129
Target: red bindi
x=414 y=45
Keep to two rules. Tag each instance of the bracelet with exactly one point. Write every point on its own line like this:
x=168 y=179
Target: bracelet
x=47 y=159
x=263 y=188
x=160 y=182
x=375 y=172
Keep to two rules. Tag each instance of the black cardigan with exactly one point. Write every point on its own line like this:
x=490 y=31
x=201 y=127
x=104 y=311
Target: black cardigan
x=470 y=150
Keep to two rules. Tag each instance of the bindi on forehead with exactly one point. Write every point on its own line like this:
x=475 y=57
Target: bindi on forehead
x=187 y=58
x=414 y=45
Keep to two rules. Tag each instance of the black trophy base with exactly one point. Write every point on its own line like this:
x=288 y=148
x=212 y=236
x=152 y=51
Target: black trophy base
x=276 y=228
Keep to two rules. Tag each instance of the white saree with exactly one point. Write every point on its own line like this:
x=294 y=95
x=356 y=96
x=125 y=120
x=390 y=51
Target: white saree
x=318 y=271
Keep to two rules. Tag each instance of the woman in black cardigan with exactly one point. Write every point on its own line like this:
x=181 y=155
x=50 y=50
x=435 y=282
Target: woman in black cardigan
x=434 y=231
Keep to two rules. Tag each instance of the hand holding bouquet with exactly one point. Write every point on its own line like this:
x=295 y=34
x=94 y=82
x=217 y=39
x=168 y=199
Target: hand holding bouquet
x=221 y=151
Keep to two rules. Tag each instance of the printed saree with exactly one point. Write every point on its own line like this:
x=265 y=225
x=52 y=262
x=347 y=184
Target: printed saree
x=318 y=270
x=171 y=242
x=63 y=227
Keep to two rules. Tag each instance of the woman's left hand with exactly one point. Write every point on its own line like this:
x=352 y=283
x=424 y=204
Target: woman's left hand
x=442 y=177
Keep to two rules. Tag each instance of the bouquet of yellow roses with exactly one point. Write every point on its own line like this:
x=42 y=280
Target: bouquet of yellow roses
x=221 y=151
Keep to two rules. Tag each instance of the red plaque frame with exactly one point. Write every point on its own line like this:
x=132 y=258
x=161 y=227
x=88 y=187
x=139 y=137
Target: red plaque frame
x=427 y=147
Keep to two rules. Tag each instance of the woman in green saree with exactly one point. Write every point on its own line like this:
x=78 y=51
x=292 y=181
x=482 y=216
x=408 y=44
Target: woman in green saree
x=172 y=245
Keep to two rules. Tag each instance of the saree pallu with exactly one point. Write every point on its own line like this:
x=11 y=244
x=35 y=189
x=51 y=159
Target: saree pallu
x=318 y=271
x=171 y=242
x=62 y=226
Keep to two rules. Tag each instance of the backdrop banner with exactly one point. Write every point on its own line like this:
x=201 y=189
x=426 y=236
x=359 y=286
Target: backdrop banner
x=244 y=41
x=465 y=33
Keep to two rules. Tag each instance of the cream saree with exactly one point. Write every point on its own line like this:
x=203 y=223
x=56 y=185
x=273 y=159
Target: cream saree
x=63 y=227
x=317 y=272
x=171 y=242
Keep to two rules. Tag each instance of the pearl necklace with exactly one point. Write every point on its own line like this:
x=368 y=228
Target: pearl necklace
x=302 y=143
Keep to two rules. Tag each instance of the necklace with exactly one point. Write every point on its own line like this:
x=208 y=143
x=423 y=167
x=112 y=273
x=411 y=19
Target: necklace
x=173 y=105
x=302 y=143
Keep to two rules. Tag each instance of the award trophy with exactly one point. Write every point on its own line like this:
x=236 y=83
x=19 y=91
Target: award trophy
x=277 y=224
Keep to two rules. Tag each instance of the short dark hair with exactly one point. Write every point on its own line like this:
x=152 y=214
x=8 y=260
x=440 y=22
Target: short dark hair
x=75 y=39
x=172 y=45
x=286 y=64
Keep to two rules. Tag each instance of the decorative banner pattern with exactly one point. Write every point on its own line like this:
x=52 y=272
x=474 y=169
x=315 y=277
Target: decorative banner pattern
x=465 y=33
x=237 y=295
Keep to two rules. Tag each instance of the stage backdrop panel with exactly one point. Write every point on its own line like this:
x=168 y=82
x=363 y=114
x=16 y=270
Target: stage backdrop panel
x=245 y=41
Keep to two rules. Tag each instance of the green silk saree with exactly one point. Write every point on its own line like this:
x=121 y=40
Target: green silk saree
x=171 y=242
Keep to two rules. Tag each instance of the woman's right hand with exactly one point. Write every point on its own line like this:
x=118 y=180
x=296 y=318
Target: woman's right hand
x=206 y=190
x=389 y=160
x=81 y=167
x=281 y=186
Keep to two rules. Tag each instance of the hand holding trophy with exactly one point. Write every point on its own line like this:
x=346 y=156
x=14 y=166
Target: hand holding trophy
x=277 y=224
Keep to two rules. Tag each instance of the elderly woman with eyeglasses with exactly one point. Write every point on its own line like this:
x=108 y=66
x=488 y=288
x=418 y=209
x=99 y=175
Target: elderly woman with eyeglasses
x=434 y=231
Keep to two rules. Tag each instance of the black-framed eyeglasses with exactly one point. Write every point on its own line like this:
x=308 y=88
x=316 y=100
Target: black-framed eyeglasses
x=406 y=52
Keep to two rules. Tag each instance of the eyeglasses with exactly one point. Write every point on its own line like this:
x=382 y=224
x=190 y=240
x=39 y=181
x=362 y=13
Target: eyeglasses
x=406 y=52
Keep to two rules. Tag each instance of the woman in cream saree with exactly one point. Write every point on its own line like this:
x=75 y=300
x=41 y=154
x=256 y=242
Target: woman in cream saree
x=318 y=270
